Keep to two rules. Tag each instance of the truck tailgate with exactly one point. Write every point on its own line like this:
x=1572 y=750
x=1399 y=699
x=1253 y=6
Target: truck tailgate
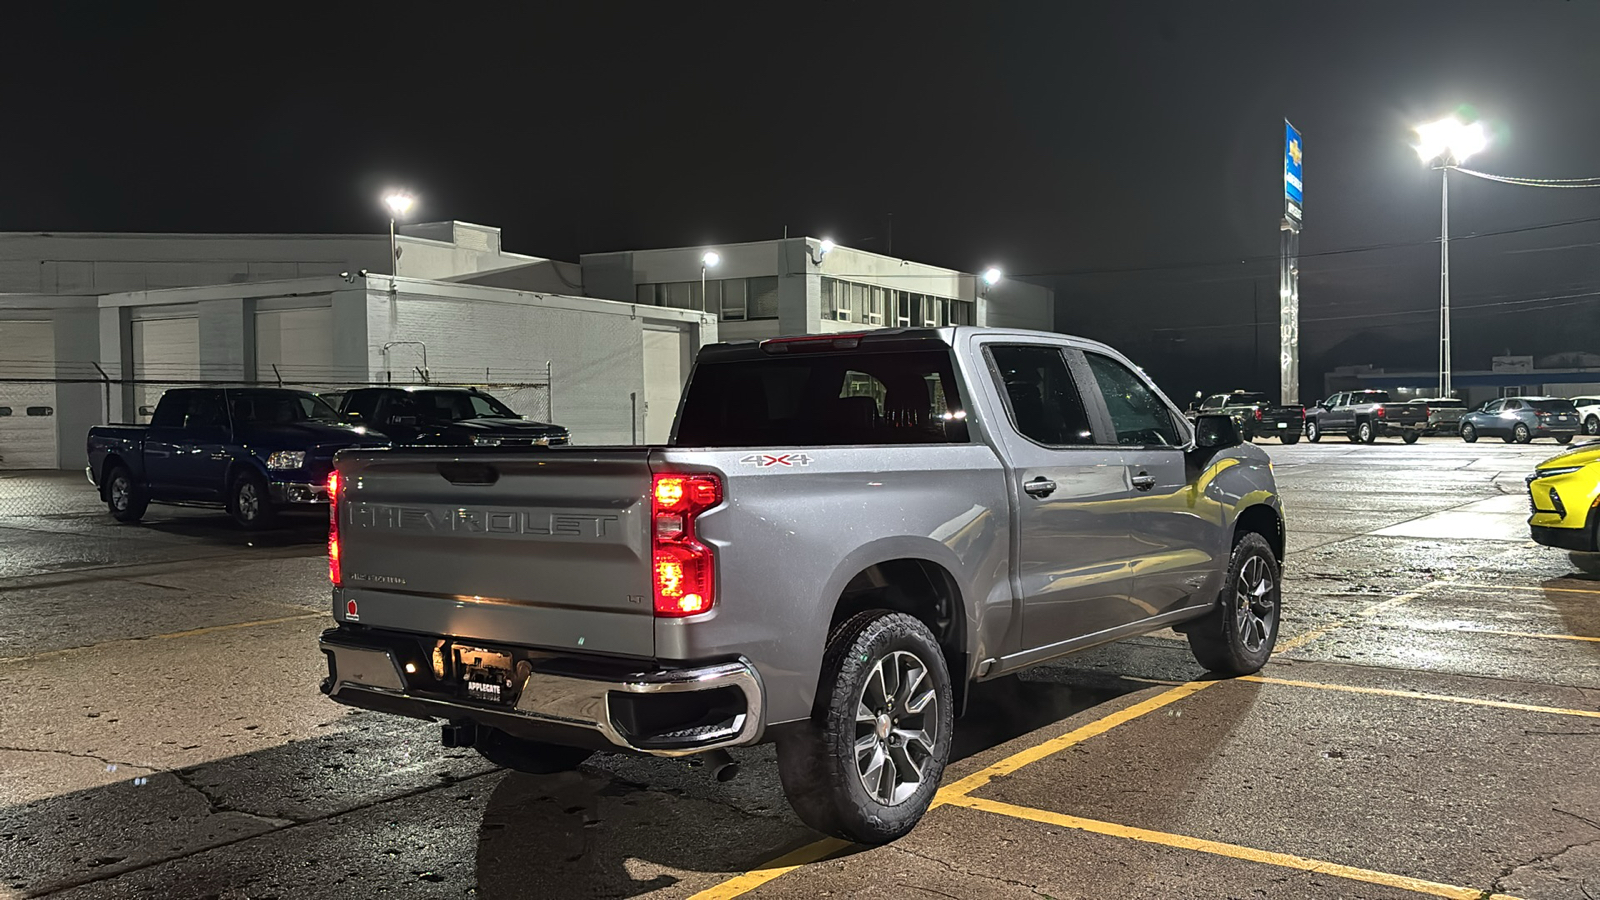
x=545 y=549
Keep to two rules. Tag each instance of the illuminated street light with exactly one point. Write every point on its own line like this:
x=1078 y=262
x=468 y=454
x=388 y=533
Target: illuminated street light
x=710 y=261
x=825 y=247
x=991 y=277
x=1449 y=142
x=399 y=203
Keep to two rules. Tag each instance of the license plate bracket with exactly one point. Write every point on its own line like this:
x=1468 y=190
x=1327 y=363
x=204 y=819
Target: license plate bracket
x=487 y=676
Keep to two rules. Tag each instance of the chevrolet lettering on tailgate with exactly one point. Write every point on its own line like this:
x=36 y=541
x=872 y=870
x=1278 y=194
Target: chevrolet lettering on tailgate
x=480 y=521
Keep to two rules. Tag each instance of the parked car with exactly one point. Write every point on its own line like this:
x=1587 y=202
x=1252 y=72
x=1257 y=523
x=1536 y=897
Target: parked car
x=1257 y=415
x=446 y=416
x=782 y=571
x=251 y=451
x=1444 y=414
x=1588 y=413
x=1564 y=491
x=1365 y=416
x=1521 y=419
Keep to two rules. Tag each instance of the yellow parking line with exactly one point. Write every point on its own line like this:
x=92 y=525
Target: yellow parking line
x=1301 y=640
x=193 y=632
x=1523 y=587
x=1527 y=634
x=826 y=847
x=1419 y=695
x=794 y=859
x=1056 y=744
x=1232 y=851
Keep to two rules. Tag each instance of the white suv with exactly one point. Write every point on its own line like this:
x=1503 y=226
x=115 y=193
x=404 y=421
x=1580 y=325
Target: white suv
x=1588 y=414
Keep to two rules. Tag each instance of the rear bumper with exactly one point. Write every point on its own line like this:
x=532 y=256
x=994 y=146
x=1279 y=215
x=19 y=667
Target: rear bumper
x=1383 y=429
x=560 y=701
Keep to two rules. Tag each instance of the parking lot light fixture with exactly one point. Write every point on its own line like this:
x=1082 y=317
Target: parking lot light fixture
x=991 y=277
x=1449 y=142
x=711 y=260
x=399 y=203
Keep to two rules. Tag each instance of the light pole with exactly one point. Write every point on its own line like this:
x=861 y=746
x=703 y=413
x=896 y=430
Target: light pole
x=1448 y=141
x=399 y=203
x=709 y=261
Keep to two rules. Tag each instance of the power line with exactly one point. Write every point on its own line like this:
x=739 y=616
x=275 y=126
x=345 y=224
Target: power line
x=1534 y=182
x=1573 y=300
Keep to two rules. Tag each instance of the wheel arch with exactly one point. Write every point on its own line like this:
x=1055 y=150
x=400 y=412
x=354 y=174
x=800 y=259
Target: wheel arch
x=1262 y=519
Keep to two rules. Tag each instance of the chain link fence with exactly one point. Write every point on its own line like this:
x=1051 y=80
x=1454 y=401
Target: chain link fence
x=36 y=417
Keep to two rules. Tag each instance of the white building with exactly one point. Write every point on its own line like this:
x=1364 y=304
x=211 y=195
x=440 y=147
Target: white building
x=93 y=327
x=790 y=286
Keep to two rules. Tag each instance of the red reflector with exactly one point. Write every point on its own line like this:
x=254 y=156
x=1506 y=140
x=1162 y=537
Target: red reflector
x=350 y=611
x=1258 y=414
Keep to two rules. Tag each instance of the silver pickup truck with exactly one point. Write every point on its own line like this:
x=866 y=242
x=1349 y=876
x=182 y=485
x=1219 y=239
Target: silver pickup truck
x=844 y=532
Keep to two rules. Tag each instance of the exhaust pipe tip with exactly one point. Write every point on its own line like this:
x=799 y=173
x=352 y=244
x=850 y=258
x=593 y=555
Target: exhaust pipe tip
x=722 y=767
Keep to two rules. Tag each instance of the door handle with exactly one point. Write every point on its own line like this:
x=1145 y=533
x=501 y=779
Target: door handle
x=1144 y=481
x=1040 y=487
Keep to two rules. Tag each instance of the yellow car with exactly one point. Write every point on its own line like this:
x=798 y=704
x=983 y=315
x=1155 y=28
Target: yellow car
x=1565 y=490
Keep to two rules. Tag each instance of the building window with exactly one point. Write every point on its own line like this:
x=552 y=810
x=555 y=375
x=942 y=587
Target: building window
x=763 y=297
x=733 y=300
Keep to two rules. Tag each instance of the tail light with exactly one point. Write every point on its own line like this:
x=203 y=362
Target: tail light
x=1258 y=414
x=1426 y=412
x=1542 y=414
x=1380 y=412
x=684 y=570
x=334 y=575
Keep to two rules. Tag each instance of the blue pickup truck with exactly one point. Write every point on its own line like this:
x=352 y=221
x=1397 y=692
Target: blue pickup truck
x=251 y=451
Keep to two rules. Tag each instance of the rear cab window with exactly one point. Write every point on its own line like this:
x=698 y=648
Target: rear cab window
x=825 y=399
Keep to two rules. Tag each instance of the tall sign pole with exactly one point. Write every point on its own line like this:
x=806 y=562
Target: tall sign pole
x=1289 y=270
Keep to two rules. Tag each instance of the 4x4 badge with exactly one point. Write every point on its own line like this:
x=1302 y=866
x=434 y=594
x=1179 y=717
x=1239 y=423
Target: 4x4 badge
x=768 y=460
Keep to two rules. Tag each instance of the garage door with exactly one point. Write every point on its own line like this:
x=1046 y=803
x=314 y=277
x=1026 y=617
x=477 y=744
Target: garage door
x=166 y=353
x=27 y=411
x=663 y=382
x=300 y=343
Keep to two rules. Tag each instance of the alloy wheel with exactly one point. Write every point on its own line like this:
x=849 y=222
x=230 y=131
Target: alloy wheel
x=1254 y=604
x=120 y=492
x=249 y=501
x=897 y=725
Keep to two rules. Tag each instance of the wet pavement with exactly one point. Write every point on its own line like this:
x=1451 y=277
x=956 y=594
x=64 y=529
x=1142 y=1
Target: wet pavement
x=1428 y=728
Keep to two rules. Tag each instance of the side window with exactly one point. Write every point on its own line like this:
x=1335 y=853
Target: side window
x=206 y=411
x=172 y=410
x=1212 y=402
x=363 y=404
x=1136 y=412
x=1493 y=406
x=1040 y=396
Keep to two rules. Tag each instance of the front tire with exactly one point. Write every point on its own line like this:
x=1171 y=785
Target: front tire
x=866 y=767
x=124 y=497
x=250 y=504
x=1366 y=433
x=1313 y=433
x=1469 y=433
x=1591 y=425
x=1237 y=637
x=1521 y=434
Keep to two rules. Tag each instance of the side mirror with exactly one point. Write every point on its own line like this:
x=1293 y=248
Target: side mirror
x=1214 y=432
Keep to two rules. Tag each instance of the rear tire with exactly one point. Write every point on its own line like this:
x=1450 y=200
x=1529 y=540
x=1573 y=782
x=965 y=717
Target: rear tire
x=866 y=767
x=1313 y=433
x=532 y=757
x=1237 y=637
x=1521 y=434
x=1365 y=432
x=250 y=504
x=1410 y=437
x=1291 y=439
x=1564 y=439
x=1469 y=433
x=1591 y=425
x=124 y=497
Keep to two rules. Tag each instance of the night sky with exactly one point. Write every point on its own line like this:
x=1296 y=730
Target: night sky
x=1129 y=151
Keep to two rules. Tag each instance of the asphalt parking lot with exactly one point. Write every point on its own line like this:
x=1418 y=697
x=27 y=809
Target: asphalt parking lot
x=1428 y=727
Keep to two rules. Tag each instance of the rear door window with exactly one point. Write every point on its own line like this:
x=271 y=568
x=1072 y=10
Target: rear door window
x=823 y=399
x=1041 y=398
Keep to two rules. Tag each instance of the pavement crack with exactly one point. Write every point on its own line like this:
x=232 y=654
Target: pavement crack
x=111 y=764
x=217 y=807
x=951 y=867
x=1584 y=819
x=1495 y=888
